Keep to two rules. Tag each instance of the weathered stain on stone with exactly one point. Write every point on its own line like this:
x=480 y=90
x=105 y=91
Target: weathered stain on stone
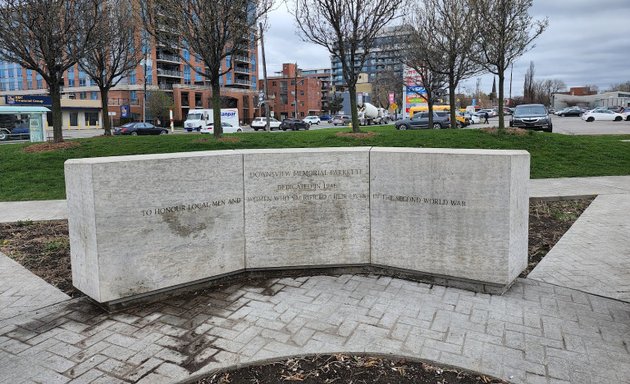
x=175 y=225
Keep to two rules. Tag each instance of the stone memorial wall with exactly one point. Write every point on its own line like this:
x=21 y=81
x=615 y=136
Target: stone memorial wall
x=144 y=224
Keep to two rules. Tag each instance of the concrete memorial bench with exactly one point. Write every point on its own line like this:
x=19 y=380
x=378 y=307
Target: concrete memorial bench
x=148 y=224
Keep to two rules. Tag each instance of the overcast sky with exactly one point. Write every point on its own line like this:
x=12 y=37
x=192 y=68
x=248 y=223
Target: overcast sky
x=587 y=42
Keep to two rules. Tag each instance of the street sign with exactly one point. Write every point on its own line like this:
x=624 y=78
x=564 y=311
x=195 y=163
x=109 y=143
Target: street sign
x=111 y=113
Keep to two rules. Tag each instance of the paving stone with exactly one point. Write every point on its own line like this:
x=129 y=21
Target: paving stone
x=511 y=335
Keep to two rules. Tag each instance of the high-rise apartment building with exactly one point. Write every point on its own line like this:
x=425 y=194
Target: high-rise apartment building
x=383 y=57
x=162 y=69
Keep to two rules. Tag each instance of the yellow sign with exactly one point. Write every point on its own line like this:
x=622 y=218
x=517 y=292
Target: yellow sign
x=393 y=106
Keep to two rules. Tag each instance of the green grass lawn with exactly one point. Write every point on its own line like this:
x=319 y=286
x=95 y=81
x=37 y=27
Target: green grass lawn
x=39 y=176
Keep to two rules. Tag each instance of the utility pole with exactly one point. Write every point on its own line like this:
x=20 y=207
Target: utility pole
x=511 y=70
x=144 y=93
x=296 y=99
x=266 y=101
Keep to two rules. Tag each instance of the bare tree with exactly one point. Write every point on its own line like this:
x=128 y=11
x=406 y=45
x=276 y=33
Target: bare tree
x=529 y=86
x=116 y=53
x=48 y=37
x=336 y=103
x=448 y=29
x=347 y=29
x=211 y=29
x=422 y=57
x=385 y=82
x=544 y=89
x=506 y=31
x=622 y=87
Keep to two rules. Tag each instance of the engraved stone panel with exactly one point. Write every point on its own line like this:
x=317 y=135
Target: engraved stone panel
x=448 y=212
x=307 y=207
x=143 y=223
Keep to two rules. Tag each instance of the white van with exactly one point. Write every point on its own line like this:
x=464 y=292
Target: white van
x=204 y=118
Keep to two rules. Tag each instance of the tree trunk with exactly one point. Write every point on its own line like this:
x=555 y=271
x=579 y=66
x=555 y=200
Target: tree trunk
x=55 y=95
x=352 y=89
x=501 y=113
x=451 y=102
x=430 y=111
x=104 y=102
x=216 y=108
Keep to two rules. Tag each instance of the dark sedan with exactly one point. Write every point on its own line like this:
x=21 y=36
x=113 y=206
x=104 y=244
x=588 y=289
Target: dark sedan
x=293 y=124
x=139 y=128
x=573 y=111
x=421 y=121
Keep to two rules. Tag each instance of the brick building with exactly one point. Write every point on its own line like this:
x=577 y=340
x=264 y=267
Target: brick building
x=282 y=92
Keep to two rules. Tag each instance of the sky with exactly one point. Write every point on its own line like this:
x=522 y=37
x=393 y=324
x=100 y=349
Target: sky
x=587 y=42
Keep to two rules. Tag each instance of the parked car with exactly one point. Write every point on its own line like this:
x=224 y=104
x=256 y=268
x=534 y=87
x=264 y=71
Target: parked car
x=570 y=111
x=294 y=124
x=325 y=117
x=227 y=128
x=531 y=116
x=626 y=113
x=139 y=128
x=15 y=133
x=421 y=121
x=341 y=120
x=473 y=117
x=311 y=120
x=601 y=114
x=461 y=120
x=261 y=123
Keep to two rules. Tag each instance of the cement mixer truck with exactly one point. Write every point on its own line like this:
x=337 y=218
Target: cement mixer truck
x=370 y=114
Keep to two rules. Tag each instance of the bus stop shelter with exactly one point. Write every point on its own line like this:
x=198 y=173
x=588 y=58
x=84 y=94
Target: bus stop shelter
x=23 y=123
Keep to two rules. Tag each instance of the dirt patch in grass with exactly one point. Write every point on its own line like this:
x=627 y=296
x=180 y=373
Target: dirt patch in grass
x=357 y=135
x=507 y=131
x=229 y=139
x=343 y=368
x=49 y=147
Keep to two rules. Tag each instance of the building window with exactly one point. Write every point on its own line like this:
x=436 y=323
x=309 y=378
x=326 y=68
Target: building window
x=91 y=119
x=82 y=95
x=133 y=95
x=198 y=76
x=74 y=119
x=94 y=95
x=185 y=102
x=132 y=77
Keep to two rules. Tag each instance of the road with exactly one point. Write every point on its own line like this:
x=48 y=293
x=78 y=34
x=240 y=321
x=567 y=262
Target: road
x=562 y=125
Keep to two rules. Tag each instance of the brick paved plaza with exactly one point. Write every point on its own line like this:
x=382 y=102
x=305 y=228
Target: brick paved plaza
x=538 y=332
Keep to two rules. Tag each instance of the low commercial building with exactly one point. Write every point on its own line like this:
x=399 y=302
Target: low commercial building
x=76 y=113
x=606 y=99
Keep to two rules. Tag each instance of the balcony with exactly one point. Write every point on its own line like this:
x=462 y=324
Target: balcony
x=241 y=69
x=169 y=58
x=168 y=73
x=243 y=59
x=242 y=82
x=165 y=86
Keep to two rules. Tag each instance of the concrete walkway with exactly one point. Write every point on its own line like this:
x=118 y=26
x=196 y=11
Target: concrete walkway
x=545 y=329
x=594 y=255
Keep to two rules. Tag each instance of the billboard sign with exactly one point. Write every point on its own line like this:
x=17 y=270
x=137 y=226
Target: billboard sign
x=44 y=101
